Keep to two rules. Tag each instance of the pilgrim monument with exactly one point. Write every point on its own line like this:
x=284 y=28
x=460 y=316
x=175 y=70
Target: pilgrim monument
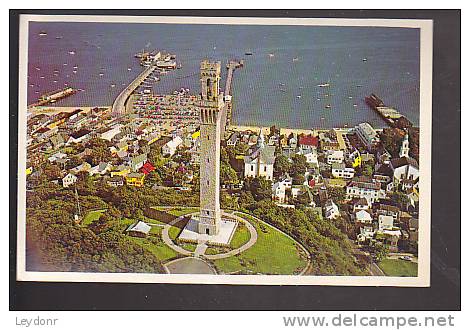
x=211 y=105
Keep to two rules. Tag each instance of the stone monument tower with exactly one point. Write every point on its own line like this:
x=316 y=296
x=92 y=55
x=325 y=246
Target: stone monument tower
x=211 y=105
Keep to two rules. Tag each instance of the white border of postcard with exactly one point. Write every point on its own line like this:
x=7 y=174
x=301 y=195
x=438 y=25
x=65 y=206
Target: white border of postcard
x=424 y=244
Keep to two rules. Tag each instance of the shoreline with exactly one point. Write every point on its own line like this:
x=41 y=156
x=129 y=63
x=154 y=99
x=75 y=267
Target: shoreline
x=52 y=110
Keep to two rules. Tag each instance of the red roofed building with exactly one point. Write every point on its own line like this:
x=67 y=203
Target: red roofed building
x=147 y=168
x=308 y=142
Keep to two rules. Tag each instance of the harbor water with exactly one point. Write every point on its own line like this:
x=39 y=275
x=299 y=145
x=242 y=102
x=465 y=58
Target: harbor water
x=293 y=76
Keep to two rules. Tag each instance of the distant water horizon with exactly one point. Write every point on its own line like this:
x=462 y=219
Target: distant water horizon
x=280 y=83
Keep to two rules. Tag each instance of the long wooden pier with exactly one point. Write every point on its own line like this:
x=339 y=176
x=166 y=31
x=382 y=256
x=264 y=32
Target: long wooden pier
x=227 y=114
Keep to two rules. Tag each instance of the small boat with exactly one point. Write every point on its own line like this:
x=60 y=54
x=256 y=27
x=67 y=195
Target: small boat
x=354 y=105
x=324 y=85
x=358 y=86
x=129 y=69
x=101 y=74
x=248 y=53
x=282 y=84
x=65 y=64
x=72 y=52
x=349 y=97
x=42 y=77
x=299 y=96
x=113 y=85
x=59 y=37
x=328 y=106
x=74 y=71
x=75 y=67
x=271 y=55
x=364 y=59
x=55 y=81
x=295 y=59
x=38 y=68
x=43 y=33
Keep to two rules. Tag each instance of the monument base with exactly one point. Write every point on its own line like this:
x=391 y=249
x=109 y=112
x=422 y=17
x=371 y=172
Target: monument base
x=223 y=237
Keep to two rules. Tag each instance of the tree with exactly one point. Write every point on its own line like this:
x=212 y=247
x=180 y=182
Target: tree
x=367 y=170
x=227 y=174
x=299 y=165
x=401 y=199
x=282 y=164
x=259 y=187
x=337 y=194
x=380 y=251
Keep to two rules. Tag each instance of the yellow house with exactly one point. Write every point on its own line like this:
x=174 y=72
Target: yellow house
x=357 y=161
x=196 y=134
x=135 y=179
x=120 y=171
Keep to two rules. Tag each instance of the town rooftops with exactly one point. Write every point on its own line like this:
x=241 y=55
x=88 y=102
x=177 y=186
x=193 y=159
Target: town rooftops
x=402 y=161
x=390 y=208
x=364 y=183
x=135 y=175
x=80 y=133
x=308 y=140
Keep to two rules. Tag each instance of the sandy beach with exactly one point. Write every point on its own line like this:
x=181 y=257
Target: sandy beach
x=51 y=110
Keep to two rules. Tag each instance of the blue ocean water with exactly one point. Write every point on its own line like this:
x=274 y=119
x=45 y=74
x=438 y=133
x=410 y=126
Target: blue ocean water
x=277 y=85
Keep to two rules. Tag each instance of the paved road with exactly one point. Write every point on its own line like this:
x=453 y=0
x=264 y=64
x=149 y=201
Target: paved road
x=375 y=270
x=189 y=265
x=398 y=255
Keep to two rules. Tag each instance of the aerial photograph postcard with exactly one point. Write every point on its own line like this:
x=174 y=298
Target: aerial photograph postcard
x=224 y=150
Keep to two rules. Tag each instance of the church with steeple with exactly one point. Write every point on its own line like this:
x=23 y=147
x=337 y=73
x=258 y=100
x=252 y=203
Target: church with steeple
x=259 y=161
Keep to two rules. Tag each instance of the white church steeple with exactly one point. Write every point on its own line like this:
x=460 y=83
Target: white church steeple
x=405 y=147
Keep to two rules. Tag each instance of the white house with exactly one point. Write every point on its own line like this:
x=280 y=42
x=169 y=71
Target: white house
x=69 y=180
x=101 y=169
x=361 y=204
x=339 y=170
x=334 y=156
x=365 y=189
x=363 y=216
x=366 y=233
x=404 y=168
x=279 y=189
x=331 y=210
x=170 y=147
x=385 y=222
x=111 y=133
x=367 y=135
x=260 y=160
x=311 y=156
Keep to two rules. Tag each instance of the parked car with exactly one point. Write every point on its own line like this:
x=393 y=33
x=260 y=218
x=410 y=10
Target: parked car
x=406 y=258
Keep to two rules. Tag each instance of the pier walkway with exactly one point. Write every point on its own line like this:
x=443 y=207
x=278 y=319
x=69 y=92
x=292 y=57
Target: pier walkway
x=119 y=105
x=227 y=111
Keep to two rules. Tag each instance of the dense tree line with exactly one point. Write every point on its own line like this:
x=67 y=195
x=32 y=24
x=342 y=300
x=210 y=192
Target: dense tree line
x=56 y=243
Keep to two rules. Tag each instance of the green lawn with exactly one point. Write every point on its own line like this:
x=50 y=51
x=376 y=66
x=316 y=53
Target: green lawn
x=240 y=237
x=155 y=246
x=176 y=210
x=396 y=267
x=91 y=216
x=273 y=253
x=174 y=232
x=191 y=247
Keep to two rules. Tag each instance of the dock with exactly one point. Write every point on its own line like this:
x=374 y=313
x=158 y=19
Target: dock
x=232 y=65
x=119 y=107
x=391 y=116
